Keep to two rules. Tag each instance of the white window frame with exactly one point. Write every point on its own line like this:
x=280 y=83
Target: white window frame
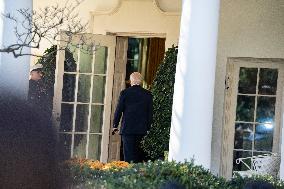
x=230 y=103
x=102 y=40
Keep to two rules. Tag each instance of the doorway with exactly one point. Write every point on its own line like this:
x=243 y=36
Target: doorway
x=133 y=54
x=87 y=87
x=252 y=111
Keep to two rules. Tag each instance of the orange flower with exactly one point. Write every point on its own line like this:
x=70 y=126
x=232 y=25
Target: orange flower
x=95 y=164
x=116 y=164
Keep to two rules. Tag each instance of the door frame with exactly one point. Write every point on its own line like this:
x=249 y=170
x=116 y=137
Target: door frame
x=119 y=74
x=103 y=40
x=230 y=102
x=118 y=86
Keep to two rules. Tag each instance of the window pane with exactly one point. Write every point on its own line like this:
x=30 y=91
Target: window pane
x=85 y=63
x=241 y=166
x=132 y=66
x=65 y=145
x=97 y=119
x=99 y=89
x=247 y=80
x=265 y=109
x=80 y=142
x=263 y=137
x=100 y=65
x=243 y=136
x=95 y=147
x=82 y=113
x=268 y=81
x=84 y=86
x=133 y=48
x=71 y=58
x=68 y=90
x=245 y=108
x=66 y=122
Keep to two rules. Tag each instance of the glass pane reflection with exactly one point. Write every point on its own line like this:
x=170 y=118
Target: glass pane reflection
x=84 y=86
x=95 y=147
x=97 y=119
x=80 y=142
x=82 y=113
x=85 y=63
x=243 y=136
x=133 y=52
x=263 y=140
x=268 y=81
x=245 y=108
x=241 y=154
x=99 y=89
x=265 y=109
x=247 y=80
x=68 y=90
x=100 y=65
x=66 y=121
x=71 y=58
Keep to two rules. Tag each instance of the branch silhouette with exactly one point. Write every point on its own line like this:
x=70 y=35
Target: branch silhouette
x=46 y=24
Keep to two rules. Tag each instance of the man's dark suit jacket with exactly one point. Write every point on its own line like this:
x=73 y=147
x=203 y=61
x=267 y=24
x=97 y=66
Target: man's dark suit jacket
x=136 y=105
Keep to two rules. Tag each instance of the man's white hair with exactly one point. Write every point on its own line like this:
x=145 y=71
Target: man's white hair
x=136 y=78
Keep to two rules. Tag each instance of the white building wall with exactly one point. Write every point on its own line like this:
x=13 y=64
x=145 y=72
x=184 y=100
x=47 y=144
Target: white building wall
x=247 y=28
x=142 y=16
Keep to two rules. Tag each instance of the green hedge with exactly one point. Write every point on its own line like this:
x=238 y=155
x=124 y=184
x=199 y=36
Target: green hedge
x=157 y=140
x=49 y=65
x=153 y=175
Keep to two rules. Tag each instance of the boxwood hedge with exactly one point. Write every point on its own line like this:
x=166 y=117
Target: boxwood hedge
x=157 y=140
x=153 y=175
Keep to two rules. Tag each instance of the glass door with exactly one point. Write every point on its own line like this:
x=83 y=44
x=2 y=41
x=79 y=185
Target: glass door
x=252 y=110
x=255 y=113
x=83 y=92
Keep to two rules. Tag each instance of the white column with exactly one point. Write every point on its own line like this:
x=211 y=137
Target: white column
x=14 y=72
x=282 y=154
x=192 y=113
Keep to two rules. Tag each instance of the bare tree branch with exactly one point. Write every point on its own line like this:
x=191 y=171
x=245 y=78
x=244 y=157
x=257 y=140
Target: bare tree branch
x=33 y=27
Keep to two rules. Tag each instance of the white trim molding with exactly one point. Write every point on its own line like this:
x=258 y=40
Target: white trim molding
x=115 y=5
x=158 y=5
x=112 y=8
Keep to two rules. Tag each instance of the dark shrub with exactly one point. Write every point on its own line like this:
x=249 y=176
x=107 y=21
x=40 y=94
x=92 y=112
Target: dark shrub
x=157 y=140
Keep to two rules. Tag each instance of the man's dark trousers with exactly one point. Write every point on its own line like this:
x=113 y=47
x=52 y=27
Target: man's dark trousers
x=132 y=148
x=135 y=106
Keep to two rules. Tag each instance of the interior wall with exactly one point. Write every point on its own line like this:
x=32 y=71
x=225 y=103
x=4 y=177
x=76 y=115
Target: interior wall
x=247 y=28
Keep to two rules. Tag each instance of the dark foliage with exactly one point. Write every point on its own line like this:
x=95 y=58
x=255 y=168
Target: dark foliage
x=158 y=174
x=157 y=140
x=49 y=65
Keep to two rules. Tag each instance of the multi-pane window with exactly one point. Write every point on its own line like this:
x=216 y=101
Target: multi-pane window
x=133 y=58
x=83 y=102
x=144 y=55
x=255 y=113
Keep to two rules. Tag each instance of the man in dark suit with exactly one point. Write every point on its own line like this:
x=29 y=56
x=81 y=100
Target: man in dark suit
x=135 y=105
x=39 y=97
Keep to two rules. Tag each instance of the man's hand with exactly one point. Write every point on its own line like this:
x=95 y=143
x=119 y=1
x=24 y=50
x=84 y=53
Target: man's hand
x=114 y=130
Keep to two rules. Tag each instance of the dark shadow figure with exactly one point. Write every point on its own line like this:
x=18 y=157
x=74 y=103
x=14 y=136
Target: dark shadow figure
x=259 y=185
x=172 y=185
x=27 y=148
